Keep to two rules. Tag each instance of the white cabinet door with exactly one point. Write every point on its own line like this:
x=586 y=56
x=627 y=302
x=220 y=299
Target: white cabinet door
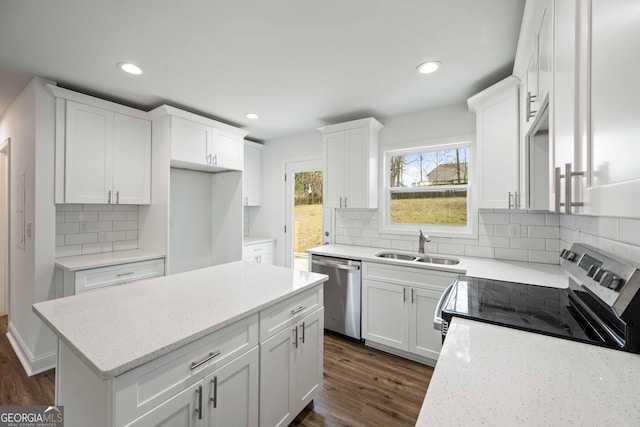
x=277 y=402
x=88 y=154
x=357 y=168
x=385 y=316
x=190 y=141
x=612 y=148
x=424 y=340
x=252 y=175
x=232 y=398
x=226 y=150
x=308 y=359
x=545 y=55
x=334 y=173
x=498 y=147
x=179 y=411
x=131 y=160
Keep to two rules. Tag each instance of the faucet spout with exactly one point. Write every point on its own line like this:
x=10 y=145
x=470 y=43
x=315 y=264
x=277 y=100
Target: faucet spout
x=422 y=239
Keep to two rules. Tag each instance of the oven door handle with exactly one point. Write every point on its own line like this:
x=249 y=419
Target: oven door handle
x=437 y=319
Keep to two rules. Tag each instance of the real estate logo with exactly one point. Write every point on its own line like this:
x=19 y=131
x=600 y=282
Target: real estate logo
x=31 y=416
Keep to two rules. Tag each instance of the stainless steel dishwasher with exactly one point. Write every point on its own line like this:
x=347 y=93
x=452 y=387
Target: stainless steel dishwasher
x=341 y=293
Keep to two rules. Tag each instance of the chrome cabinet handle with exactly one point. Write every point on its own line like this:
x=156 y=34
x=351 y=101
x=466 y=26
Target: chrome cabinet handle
x=295 y=340
x=558 y=177
x=404 y=294
x=412 y=299
x=210 y=356
x=215 y=160
x=345 y=202
x=298 y=310
x=568 y=199
x=124 y=274
x=511 y=204
x=516 y=200
x=530 y=99
x=302 y=336
x=214 y=398
x=109 y=201
x=209 y=158
x=199 y=409
x=340 y=201
x=118 y=197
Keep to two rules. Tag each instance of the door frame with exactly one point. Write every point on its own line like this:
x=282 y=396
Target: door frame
x=292 y=167
x=5 y=192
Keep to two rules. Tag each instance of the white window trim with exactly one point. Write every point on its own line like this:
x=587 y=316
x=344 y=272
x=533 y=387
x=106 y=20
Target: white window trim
x=386 y=227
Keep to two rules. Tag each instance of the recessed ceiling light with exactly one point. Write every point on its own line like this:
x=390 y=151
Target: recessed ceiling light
x=130 y=68
x=428 y=67
x=251 y=116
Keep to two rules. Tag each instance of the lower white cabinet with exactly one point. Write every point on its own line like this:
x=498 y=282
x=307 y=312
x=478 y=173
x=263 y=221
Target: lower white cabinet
x=291 y=370
x=398 y=305
x=262 y=253
x=227 y=397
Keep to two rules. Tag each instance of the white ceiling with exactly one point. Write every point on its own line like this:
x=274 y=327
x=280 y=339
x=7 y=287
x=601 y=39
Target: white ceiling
x=300 y=64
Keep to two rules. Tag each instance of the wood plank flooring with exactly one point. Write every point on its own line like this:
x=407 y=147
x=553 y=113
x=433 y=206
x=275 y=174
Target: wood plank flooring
x=362 y=386
x=16 y=388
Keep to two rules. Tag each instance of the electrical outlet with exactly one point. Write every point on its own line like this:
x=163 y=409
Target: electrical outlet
x=514 y=230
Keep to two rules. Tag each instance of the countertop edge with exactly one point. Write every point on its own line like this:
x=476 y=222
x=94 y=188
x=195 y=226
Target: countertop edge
x=121 y=369
x=106 y=259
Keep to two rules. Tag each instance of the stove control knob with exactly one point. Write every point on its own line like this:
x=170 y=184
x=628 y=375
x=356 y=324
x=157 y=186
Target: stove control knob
x=570 y=256
x=563 y=253
x=616 y=283
x=606 y=279
x=597 y=276
x=592 y=270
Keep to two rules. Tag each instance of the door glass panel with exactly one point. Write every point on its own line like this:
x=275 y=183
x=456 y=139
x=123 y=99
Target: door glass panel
x=307 y=216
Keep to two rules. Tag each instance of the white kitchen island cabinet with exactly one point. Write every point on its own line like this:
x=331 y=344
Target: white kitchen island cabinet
x=185 y=350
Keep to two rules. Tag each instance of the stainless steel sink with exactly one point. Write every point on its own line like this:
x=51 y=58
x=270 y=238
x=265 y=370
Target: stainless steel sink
x=418 y=258
x=394 y=255
x=438 y=260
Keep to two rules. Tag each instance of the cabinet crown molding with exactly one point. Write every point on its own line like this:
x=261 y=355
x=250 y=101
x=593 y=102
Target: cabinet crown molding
x=167 y=110
x=504 y=85
x=81 y=98
x=372 y=123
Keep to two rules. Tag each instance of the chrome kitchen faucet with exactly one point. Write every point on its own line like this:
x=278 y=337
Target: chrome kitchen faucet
x=422 y=239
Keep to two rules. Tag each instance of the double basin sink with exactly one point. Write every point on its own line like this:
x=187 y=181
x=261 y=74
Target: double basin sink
x=429 y=259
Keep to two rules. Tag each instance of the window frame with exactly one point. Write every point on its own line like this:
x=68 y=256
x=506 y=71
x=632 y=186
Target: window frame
x=386 y=153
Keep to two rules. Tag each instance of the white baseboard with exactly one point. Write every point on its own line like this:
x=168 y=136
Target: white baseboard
x=401 y=353
x=32 y=365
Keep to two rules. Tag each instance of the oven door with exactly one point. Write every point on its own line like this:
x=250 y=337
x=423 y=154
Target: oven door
x=438 y=323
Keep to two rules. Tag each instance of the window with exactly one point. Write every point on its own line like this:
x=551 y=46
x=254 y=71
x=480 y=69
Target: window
x=428 y=188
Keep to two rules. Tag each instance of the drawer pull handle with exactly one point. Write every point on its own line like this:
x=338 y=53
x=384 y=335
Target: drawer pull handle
x=199 y=409
x=298 y=310
x=125 y=274
x=211 y=355
x=295 y=340
x=214 y=398
x=303 y=328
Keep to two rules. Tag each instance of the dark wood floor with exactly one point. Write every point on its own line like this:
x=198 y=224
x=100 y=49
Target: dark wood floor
x=362 y=386
x=16 y=388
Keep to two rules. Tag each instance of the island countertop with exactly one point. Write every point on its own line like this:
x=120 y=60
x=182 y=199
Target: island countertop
x=116 y=329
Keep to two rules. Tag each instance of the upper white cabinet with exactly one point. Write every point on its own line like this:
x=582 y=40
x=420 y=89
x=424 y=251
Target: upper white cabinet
x=609 y=146
x=103 y=151
x=252 y=174
x=497 y=142
x=351 y=164
x=199 y=143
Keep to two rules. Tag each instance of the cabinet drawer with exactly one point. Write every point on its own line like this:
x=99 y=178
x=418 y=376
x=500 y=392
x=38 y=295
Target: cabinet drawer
x=276 y=318
x=257 y=249
x=95 y=278
x=407 y=276
x=145 y=387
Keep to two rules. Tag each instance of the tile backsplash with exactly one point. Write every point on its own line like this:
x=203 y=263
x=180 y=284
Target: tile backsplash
x=503 y=234
x=520 y=236
x=90 y=229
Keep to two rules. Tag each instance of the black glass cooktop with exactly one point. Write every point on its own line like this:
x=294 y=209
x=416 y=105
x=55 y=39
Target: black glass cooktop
x=528 y=307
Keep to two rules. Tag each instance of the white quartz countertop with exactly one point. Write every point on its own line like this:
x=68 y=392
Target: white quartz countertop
x=84 y=262
x=498 y=376
x=252 y=240
x=118 y=328
x=512 y=271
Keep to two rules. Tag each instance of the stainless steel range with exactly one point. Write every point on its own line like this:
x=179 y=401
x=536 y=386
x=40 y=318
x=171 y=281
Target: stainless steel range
x=601 y=306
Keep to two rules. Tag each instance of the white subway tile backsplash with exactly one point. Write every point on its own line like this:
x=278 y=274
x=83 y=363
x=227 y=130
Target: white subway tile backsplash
x=449 y=249
x=404 y=245
x=486 y=229
x=630 y=231
x=78 y=239
x=501 y=229
x=343 y=240
x=527 y=218
x=494 y=241
x=87 y=229
x=493 y=218
x=543 y=257
x=552 y=219
x=479 y=251
x=553 y=245
x=528 y=243
x=544 y=231
x=608 y=227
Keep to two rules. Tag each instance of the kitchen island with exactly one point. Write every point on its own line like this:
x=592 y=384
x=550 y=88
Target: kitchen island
x=166 y=349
